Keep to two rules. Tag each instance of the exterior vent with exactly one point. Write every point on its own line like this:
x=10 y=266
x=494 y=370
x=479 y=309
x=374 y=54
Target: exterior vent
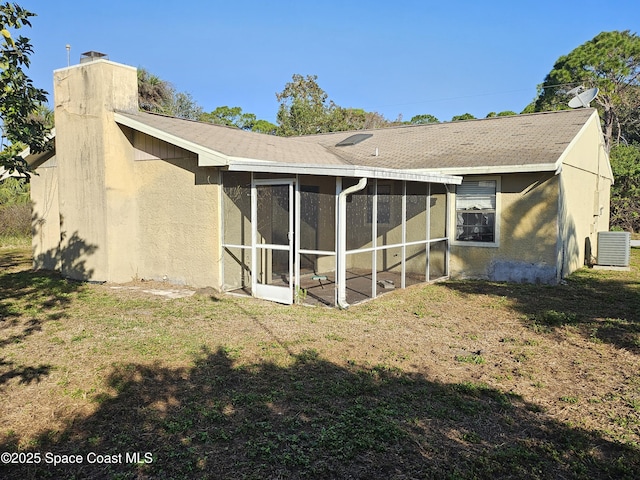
x=614 y=248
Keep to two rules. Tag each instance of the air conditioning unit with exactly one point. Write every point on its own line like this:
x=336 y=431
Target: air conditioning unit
x=614 y=248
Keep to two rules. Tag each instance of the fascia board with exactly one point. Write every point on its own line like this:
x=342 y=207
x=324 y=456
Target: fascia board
x=41 y=157
x=594 y=117
x=4 y=174
x=495 y=170
x=99 y=60
x=27 y=151
x=251 y=165
x=206 y=156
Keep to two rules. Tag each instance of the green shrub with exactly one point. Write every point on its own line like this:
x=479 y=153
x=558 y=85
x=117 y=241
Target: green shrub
x=14 y=191
x=15 y=211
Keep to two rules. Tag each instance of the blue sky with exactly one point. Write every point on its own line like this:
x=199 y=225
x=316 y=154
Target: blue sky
x=396 y=57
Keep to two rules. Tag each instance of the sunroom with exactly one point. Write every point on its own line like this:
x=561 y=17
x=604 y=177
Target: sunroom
x=334 y=235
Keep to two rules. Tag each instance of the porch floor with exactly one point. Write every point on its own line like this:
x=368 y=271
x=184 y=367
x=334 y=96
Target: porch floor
x=320 y=288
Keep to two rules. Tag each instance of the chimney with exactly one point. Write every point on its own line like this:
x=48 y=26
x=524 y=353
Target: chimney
x=94 y=167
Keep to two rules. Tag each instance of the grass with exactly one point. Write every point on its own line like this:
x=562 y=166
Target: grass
x=452 y=380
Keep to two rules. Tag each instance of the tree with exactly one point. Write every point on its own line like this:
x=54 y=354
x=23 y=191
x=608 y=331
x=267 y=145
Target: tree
x=264 y=126
x=182 y=105
x=153 y=92
x=343 y=119
x=303 y=107
x=159 y=96
x=230 y=116
x=505 y=113
x=628 y=117
x=20 y=100
x=464 y=116
x=610 y=62
x=423 y=119
x=235 y=117
x=625 y=192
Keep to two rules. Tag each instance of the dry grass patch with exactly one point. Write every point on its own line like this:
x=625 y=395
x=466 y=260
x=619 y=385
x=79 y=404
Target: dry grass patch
x=451 y=380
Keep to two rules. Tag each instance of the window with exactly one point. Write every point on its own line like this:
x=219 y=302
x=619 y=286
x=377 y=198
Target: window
x=476 y=211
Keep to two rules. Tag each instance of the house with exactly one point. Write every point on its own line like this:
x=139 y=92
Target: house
x=332 y=219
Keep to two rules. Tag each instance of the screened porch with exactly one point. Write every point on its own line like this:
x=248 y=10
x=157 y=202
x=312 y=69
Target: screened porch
x=305 y=239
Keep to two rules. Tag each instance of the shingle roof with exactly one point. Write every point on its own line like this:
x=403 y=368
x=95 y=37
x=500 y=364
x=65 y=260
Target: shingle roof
x=234 y=142
x=516 y=141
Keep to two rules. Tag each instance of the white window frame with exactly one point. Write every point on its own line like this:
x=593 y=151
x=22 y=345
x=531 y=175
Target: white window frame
x=454 y=220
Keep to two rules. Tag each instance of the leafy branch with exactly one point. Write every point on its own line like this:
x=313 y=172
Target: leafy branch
x=20 y=100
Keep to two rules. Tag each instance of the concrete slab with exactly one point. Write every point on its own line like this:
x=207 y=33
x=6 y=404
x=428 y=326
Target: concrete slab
x=609 y=267
x=168 y=293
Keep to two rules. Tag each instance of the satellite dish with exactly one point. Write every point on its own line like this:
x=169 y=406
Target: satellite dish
x=583 y=99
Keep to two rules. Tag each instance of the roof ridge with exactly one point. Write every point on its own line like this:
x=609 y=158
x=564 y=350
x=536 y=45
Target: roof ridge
x=427 y=125
x=199 y=122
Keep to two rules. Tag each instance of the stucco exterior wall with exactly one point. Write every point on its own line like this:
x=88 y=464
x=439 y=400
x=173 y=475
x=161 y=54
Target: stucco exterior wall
x=548 y=223
x=45 y=217
x=128 y=207
x=584 y=199
x=97 y=221
x=527 y=212
x=178 y=222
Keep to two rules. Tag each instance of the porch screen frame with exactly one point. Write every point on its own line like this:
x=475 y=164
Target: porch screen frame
x=426 y=242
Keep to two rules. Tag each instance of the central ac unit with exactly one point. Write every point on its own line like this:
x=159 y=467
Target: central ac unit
x=614 y=248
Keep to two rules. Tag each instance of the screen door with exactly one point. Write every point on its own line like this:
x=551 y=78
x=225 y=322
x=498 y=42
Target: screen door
x=272 y=239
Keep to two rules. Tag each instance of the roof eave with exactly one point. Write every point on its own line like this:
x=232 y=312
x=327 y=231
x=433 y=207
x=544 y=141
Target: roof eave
x=206 y=156
x=252 y=165
x=34 y=160
x=495 y=170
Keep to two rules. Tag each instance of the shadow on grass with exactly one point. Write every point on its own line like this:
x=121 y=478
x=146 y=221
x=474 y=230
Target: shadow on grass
x=315 y=419
x=12 y=258
x=26 y=375
x=27 y=299
x=603 y=308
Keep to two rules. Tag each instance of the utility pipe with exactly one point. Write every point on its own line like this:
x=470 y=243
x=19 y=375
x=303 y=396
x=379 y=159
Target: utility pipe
x=342 y=241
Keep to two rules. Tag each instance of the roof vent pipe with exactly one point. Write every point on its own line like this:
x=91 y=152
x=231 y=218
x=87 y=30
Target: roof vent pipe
x=342 y=241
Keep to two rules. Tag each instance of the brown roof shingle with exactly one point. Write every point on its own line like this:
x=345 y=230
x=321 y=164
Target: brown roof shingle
x=534 y=139
x=518 y=140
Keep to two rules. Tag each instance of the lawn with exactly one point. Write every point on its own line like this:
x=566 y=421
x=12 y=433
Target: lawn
x=452 y=380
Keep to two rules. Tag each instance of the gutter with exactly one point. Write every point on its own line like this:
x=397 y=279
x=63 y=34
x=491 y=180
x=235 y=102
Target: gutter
x=342 y=240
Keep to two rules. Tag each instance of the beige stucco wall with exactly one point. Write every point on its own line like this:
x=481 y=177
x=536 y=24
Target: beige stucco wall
x=95 y=188
x=178 y=222
x=527 y=208
x=548 y=222
x=45 y=216
x=124 y=210
x=584 y=202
